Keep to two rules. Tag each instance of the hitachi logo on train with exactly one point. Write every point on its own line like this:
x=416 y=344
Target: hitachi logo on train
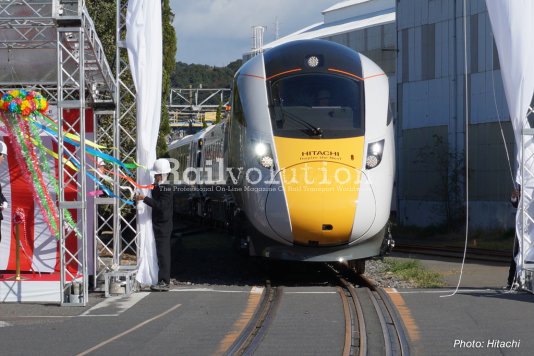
x=320 y=153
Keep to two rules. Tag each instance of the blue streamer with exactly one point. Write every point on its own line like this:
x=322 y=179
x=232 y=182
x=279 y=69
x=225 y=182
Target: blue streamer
x=100 y=184
x=89 y=150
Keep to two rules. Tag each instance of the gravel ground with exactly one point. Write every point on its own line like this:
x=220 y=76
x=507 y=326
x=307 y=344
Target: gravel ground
x=375 y=270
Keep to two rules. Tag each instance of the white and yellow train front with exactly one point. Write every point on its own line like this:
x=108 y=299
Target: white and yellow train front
x=310 y=149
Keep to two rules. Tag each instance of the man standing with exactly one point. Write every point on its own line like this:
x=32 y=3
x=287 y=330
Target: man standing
x=161 y=203
x=514 y=200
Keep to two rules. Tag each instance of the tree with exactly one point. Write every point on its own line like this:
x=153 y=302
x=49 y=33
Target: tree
x=218 y=113
x=449 y=181
x=169 y=63
x=210 y=77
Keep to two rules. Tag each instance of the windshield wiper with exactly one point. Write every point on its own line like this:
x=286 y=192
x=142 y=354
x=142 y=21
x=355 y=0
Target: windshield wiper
x=312 y=130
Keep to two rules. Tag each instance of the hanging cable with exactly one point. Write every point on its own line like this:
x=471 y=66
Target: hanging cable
x=466 y=157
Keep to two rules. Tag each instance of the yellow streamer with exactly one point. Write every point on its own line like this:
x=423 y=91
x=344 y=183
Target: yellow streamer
x=69 y=135
x=56 y=156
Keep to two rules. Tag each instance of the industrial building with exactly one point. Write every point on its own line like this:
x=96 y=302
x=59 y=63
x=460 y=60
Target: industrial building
x=421 y=45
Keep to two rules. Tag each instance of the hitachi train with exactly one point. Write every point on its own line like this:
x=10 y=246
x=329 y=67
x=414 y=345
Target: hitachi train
x=303 y=168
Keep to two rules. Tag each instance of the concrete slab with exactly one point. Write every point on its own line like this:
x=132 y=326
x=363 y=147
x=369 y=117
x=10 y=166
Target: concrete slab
x=480 y=319
x=471 y=322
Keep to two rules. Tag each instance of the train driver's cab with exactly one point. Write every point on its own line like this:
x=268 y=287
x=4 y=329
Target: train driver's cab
x=316 y=105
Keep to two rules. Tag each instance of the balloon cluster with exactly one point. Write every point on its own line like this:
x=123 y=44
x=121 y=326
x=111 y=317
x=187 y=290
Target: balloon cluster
x=23 y=102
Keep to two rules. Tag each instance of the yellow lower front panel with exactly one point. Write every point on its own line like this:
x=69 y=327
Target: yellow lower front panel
x=321 y=180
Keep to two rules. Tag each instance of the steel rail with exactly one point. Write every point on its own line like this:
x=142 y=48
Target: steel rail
x=254 y=332
x=396 y=320
x=348 y=313
x=355 y=329
x=388 y=315
x=394 y=335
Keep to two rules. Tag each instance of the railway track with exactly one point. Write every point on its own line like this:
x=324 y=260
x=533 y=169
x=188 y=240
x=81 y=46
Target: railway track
x=257 y=327
x=368 y=309
x=371 y=323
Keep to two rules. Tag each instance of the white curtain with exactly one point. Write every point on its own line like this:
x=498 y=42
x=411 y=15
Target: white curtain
x=144 y=44
x=512 y=22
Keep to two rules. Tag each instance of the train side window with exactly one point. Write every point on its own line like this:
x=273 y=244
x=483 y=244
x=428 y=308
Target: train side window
x=199 y=158
x=237 y=107
x=391 y=117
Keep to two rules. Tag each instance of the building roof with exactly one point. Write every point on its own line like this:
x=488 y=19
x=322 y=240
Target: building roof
x=323 y=30
x=343 y=4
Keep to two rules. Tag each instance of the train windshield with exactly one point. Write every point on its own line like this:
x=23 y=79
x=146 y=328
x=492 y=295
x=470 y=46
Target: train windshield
x=316 y=106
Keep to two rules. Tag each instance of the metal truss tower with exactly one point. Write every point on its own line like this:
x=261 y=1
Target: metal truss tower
x=525 y=234
x=184 y=101
x=125 y=249
x=71 y=95
x=188 y=105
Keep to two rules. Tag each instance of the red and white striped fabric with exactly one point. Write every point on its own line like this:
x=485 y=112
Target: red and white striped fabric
x=40 y=250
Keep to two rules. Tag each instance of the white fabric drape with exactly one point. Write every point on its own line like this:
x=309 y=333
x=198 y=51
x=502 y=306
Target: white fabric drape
x=144 y=44
x=512 y=22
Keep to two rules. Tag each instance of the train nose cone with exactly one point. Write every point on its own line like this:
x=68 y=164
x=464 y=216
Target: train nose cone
x=321 y=198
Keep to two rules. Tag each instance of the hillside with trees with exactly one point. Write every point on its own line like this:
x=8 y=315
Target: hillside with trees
x=205 y=75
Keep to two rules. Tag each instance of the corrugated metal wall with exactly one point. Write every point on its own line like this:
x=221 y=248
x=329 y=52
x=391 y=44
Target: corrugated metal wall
x=430 y=81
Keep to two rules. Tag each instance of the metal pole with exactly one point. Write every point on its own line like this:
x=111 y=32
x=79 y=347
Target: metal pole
x=17 y=252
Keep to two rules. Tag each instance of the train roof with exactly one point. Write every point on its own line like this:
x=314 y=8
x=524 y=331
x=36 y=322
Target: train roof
x=307 y=56
x=191 y=138
x=180 y=142
x=298 y=54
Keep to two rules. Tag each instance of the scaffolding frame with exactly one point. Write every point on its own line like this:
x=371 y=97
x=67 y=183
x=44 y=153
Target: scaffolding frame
x=187 y=107
x=116 y=258
x=126 y=237
x=71 y=64
x=196 y=100
x=526 y=207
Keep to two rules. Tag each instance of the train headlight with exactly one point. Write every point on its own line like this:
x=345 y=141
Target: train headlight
x=267 y=162
x=260 y=149
x=264 y=154
x=374 y=154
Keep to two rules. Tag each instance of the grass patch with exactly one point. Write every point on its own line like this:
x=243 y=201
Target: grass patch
x=413 y=272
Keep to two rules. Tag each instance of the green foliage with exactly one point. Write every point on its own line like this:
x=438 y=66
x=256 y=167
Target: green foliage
x=218 y=113
x=169 y=54
x=413 y=271
x=449 y=187
x=195 y=75
x=103 y=14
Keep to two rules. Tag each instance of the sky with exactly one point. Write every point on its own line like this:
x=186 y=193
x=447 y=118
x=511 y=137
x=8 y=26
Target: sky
x=217 y=32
